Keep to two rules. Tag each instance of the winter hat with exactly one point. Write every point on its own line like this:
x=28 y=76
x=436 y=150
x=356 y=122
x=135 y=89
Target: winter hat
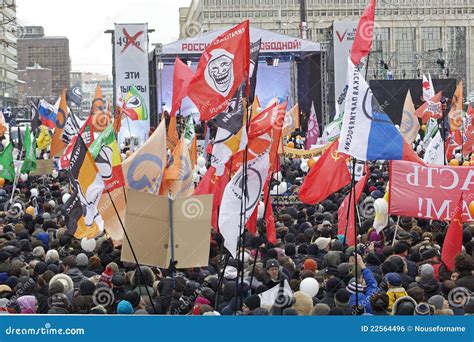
x=422 y=309
x=230 y=272
x=320 y=309
x=272 y=263
x=252 y=302
x=124 y=308
x=342 y=297
x=310 y=264
x=429 y=253
x=98 y=310
x=312 y=250
x=303 y=303
x=394 y=279
x=290 y=249
x=404 y=306
x=426 y=272
x=65 y=280
x=55 y=287
x=106 y=276
x=333 y=284
x=82 y=260
x=437 y=301
x=52 y=256
x=322 y=242
x=39 y=252
x=87 y=288
x=59 y=300
x=353 y=286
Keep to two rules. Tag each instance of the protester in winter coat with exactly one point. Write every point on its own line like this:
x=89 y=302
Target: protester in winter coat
x=395 y=290
x=362 y=298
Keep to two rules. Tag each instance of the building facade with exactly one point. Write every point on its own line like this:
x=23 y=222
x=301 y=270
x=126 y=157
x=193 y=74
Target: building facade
x=48 y=52
x=8 y=54
x=410 y=38
x=38 y=83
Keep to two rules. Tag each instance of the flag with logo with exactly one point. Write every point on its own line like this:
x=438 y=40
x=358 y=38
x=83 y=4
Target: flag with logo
x=332 y=131
x=143 y=170
x=431 y=130
x=364 y=33
x=428 y=89
x=83 y=218
x=87 y=131
x=100 y=117
x=134 y=106
x=240 y=189
x=430 y=109
x=71 y=129
x=292 y=120
x=29 y=163
x=331 y=165
x=434 y=153
x=312 y=133
x=57 y=144
x=7 y=168
x=189 y=131
x=35 y=117
x=106 y=153
x=178 y=176
x=222 y=68
x=182 y=75
x=409 y=126
x=367 y=132
x=75 y=95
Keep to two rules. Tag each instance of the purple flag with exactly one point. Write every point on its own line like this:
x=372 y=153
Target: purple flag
x=312 y=134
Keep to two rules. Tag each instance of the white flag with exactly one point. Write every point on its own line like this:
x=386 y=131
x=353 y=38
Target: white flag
x=230 y=210
x=428 y=90
x=435 y=152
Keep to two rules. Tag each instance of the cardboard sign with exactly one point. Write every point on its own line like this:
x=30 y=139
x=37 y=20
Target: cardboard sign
x=147 y=222
x=43 y=167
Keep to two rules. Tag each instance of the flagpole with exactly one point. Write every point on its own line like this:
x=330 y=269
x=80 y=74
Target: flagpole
x=133 y=253
x=350 y=199
x=395 y=234
x=17 y=174
x=172 y=262
x=354 y=162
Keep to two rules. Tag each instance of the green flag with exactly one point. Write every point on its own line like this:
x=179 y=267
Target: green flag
x=29 y=164
x=6 y=163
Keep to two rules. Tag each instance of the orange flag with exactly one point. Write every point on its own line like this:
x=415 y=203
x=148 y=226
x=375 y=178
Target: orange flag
x=173 y=138
x=178 y=176
x=57 y=144
x=100 y=117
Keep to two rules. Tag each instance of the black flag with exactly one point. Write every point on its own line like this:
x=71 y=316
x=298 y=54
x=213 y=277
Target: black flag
x=254 y=54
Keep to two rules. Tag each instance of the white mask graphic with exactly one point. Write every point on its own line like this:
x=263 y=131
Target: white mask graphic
x=220 y=71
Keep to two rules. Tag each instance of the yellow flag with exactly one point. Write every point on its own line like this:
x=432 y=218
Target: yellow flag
x=44 y=138
x=292 y=120
x=455 y=114
x=409 y=126
x=172 y=134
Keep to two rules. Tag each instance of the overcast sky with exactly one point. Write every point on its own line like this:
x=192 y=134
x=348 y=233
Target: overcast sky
x=85 y=21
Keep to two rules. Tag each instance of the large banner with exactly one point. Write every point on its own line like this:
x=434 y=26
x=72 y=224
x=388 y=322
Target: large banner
x=343 y=37
x=429 y=191
x=131 y=69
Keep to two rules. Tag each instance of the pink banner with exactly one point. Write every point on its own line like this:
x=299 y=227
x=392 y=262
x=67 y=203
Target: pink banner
x=429 y=191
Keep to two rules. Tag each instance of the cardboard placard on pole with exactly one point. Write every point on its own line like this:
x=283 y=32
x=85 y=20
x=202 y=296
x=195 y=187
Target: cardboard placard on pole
x=43 y=167
x=147 y=222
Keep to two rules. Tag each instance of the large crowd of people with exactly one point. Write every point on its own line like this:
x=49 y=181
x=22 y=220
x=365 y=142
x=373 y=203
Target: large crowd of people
x=45 y=270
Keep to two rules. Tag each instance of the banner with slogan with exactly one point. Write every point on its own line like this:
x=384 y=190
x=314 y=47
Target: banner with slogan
x=289 y=152
x=131 y=69
x=285 y=199
x=429 y=191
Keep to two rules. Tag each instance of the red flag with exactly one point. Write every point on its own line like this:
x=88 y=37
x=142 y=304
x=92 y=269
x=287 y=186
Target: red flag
x=223 y=66
x=453 y=141
x=431 y=108
x=262 y=122
x=452 y=244
x=269 y=218
x=212 y=184
x=363 y=37
x=252 y=222
x=328 y=175
x=342 y=212
x=182 y=75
